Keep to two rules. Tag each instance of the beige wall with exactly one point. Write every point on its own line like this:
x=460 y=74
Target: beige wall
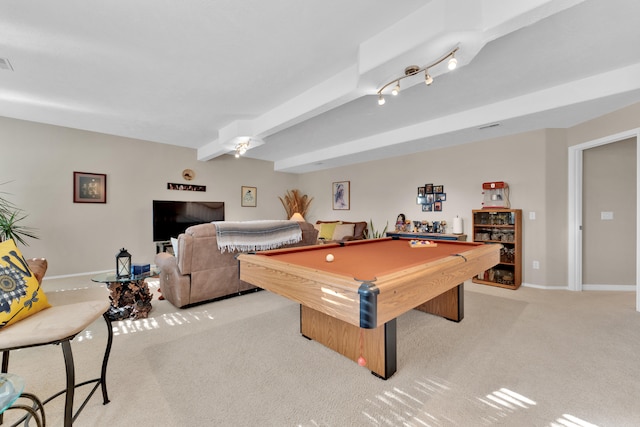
x=82 y=238
x=76 y=238
x=380 y=190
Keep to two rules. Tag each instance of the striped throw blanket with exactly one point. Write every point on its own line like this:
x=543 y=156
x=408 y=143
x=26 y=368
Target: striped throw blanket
x=245 y=236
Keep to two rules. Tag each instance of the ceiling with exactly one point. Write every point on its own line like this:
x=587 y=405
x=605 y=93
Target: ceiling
x=299 y=78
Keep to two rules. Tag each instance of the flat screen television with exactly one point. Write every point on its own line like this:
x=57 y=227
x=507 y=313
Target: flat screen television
x=171 y=218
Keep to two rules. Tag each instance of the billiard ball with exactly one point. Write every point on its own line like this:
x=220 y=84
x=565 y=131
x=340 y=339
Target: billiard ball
x=329 y=257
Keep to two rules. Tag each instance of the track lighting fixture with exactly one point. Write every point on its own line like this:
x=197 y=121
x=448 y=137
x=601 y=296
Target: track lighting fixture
x=412 y=70
x=242 y=148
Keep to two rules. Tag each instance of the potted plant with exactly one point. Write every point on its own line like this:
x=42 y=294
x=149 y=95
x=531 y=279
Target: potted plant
x=11 y=226
x=373 y=234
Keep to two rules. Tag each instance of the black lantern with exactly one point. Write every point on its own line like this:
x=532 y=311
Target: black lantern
x=123 y=264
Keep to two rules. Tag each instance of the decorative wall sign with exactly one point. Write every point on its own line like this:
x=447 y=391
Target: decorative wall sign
x=89 y=187
x=185 y=187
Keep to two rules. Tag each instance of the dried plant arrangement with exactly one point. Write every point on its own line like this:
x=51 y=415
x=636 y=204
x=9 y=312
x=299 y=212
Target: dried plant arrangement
x=296 y=202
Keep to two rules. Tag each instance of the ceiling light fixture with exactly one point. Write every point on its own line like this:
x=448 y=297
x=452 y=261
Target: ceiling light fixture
x=412 y=70
x=242 y=148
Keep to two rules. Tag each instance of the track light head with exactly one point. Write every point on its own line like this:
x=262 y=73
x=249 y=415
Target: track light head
x=381 y=100
x=453 y=62
x=427 y=78
x=396 y=89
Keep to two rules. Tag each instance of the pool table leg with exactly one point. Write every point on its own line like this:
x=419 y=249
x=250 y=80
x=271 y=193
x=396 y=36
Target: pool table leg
x=449 y=305
x=377 y=346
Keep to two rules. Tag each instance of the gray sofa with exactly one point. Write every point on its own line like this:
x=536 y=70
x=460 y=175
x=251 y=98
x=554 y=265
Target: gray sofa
x=201 y=272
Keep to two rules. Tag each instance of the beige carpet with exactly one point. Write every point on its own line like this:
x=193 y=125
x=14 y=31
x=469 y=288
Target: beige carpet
x=519 y=358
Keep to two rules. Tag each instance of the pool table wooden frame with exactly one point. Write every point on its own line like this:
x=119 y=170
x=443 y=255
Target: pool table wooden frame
x=357 y=317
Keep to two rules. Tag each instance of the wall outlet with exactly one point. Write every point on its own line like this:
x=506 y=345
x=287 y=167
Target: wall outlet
x=536 y=265
x=532 y=215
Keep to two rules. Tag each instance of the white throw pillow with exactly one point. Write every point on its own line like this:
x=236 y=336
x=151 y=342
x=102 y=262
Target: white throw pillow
x=342 y=231
x=174 y=245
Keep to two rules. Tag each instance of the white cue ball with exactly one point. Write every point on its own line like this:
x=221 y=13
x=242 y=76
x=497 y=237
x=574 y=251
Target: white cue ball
x=329 y=258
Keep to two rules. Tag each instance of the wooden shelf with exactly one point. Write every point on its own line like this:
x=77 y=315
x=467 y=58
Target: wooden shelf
x=504 y=227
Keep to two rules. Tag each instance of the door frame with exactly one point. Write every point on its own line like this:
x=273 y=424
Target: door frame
x=575 y=207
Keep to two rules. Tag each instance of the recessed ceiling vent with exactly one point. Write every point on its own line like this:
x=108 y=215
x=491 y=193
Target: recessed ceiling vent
x=5 y=64
x=492 y=125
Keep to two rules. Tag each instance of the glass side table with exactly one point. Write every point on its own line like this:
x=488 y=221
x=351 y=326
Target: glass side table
x=130 y=296
x=12 y=388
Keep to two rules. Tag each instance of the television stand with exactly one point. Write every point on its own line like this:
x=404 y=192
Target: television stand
x=164 y=246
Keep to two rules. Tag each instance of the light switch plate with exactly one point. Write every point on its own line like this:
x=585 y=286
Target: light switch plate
x=606 y=216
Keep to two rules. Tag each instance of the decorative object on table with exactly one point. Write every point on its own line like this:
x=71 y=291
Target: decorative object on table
x=185 y=187
x=138 y=269
x=431 y=197
x=495 y=195
x=89 y=187
x=249 y=196
x=123 y=264
x=20 y=293
x=296 y=202
x=400 y=222
x=341 y=195
x=10 y=219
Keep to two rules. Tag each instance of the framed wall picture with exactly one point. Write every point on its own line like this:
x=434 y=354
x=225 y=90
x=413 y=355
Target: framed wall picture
x=340 y=195
x=89 y=187
x=249 y=197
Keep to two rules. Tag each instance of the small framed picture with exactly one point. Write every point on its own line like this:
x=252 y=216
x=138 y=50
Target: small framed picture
x=421 y=200
x=430 y=198
x=437 y=207
x=340 y=195
x=89 y=187
x=428 y=188
x=441 y=197
x=438 y=188
x=427 y=208
x=249 y=197
x=421 y=192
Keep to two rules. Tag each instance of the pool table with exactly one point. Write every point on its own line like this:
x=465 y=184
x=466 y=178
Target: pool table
x=351 y=303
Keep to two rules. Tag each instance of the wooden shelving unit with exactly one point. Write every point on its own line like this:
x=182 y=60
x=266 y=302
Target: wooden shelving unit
x=500 y=226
